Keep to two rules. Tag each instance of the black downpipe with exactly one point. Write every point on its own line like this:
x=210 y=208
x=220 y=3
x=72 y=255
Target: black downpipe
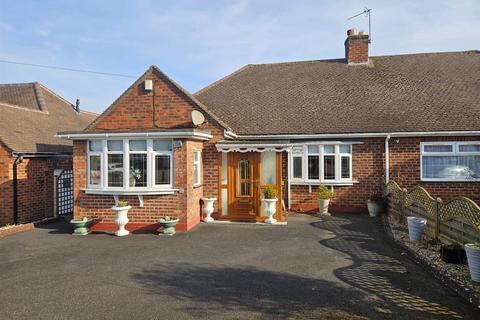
x=15 y=189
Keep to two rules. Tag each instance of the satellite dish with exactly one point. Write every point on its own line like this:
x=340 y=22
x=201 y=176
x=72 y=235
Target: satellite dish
x=197 y=118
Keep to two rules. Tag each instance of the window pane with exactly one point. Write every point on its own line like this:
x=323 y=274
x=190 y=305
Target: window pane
x=451 y=167
x=95 y=171
x=345 y=148
x=162 y=169
x=162 y=145
x=438 y=148
x=345 y=167
x=196 y=156
x=224 y=168
x=115 y=145
x=196 y=173
x=138 y=145
x=297 y=167
x=329 y=167
x=313 y=149
x=115 y=170
x=313 y=168
x=95 y=145
x=329 y=148
x=469 y=148
x=138 y=170
x=268 y=163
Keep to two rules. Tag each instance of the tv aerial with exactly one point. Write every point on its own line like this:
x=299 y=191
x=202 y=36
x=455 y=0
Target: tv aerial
x=365 y=12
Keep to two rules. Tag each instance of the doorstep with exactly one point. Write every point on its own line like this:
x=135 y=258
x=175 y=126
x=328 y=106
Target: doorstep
x=255 y=223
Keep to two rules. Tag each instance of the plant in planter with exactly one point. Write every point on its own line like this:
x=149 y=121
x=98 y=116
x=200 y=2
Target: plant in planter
x=270 y=203
x=416 y=226
x=135 y=174
x=208 y=208
x=81 y=226
x=324 y=195
x=168 y=225
x=121 y=217
x=473 y=258
x=375 y=204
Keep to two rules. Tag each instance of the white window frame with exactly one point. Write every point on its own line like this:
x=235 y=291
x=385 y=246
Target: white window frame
x=198 y=178
x=151 y=186
x=454 y=153
x=321 y=154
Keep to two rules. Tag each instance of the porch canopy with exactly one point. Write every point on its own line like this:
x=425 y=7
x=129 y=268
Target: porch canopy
x=253 y=146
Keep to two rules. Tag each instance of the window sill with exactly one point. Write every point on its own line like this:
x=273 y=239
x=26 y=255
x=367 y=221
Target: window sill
x=129 y=192
x=325 y=183
x=195 y=186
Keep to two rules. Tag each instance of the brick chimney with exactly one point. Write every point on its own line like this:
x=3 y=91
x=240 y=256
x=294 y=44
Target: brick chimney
x=356 y=47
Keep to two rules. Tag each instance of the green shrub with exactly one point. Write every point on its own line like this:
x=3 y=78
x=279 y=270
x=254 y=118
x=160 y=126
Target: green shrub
x=324 y=192
x=269 y=192
x=122 y=203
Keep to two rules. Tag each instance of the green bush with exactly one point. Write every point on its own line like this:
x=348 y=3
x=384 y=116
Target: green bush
x=269 y=192
x=324 y=192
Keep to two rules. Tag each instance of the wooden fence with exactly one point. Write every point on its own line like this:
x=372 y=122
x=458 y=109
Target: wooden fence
x=454 y=221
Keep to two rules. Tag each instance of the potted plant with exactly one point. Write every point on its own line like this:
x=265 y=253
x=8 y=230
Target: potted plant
x=168 y=225
x=416 y=226
x=270 y=203
x=121 y=217
x=375 y=204
x=81 y=226
x=208 y=208
x=135 y=174
x=473 y=258
x=324 y=195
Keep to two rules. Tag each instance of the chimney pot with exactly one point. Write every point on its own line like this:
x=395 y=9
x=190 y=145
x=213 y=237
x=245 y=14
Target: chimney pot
x=351 y=32
x=77 y=105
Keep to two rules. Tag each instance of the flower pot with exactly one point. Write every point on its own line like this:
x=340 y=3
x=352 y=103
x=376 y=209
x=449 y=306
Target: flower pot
x=416 y=226
x=323 y=206
x=453 y=254
x=168 y=226
x=270 y=206
x=121 y=219
x=473 y=258
x=81 y=226
x=375 y=208
x=208 y=209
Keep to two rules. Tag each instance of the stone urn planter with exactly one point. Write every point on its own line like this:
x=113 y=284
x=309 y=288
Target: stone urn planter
x=270 y=206
x=375 y=208
x=121 y=218
x=416 y=226
x=324 y=195
x=208 y=209
x=81 y=226
x=473 y=259
x=168 y=225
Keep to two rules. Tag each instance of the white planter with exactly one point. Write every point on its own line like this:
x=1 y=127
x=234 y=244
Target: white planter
x=473 y=258
x=270 y=206
x=374 y=208
x=323 y=206
x=208 y=209
x=121 y=219
x=416 y=226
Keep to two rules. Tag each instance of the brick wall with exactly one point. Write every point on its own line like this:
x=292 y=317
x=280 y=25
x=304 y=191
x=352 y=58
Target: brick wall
x=368 y=168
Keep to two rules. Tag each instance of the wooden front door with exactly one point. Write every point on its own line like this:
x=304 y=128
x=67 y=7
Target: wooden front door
x=244 y=176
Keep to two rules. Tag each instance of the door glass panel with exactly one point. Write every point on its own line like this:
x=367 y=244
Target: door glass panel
x=268 y=168
x=224 y=168
x=244 y=177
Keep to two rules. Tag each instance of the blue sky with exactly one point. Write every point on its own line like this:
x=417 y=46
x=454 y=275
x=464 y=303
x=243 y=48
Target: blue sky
x=197 y=42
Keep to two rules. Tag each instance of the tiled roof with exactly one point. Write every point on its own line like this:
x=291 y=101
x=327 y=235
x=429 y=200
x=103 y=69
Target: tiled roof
x=31 y=115
x=402 y=93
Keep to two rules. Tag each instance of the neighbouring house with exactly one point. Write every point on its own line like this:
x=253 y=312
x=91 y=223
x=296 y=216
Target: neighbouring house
x=350 y=123
x=31 y=157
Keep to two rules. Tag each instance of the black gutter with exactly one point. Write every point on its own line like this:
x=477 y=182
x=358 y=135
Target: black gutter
x=15 y=189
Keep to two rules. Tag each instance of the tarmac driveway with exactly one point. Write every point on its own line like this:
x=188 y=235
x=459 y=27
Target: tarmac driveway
x=340 y=267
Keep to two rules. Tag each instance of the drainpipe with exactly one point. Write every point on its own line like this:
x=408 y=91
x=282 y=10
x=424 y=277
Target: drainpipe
x=289 y=168
x=15 y=188
x=387 y=159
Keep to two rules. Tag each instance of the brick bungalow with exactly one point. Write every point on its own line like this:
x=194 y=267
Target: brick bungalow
x=350 y=123
x=31 y=115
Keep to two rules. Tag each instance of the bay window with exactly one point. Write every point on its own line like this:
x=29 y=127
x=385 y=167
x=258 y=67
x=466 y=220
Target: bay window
x=450 y=161
x=129 y=164
x=322 y=163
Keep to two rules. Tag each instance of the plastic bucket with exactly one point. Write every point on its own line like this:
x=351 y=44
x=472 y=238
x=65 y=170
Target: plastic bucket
x=416 y=226
x=473 y=258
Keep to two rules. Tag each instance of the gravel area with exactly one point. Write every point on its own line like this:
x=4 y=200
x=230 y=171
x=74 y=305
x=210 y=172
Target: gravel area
x=426 y=253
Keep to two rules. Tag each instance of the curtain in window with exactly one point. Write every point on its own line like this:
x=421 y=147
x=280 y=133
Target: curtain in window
x=451 y=167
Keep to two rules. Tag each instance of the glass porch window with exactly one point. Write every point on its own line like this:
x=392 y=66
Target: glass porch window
x=244 y=174
x=115 y=170
x=138 y=163
x=162 y=169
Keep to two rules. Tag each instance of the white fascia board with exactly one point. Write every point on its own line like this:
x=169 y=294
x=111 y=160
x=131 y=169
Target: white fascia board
x=106 y=135
x=361 y=135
